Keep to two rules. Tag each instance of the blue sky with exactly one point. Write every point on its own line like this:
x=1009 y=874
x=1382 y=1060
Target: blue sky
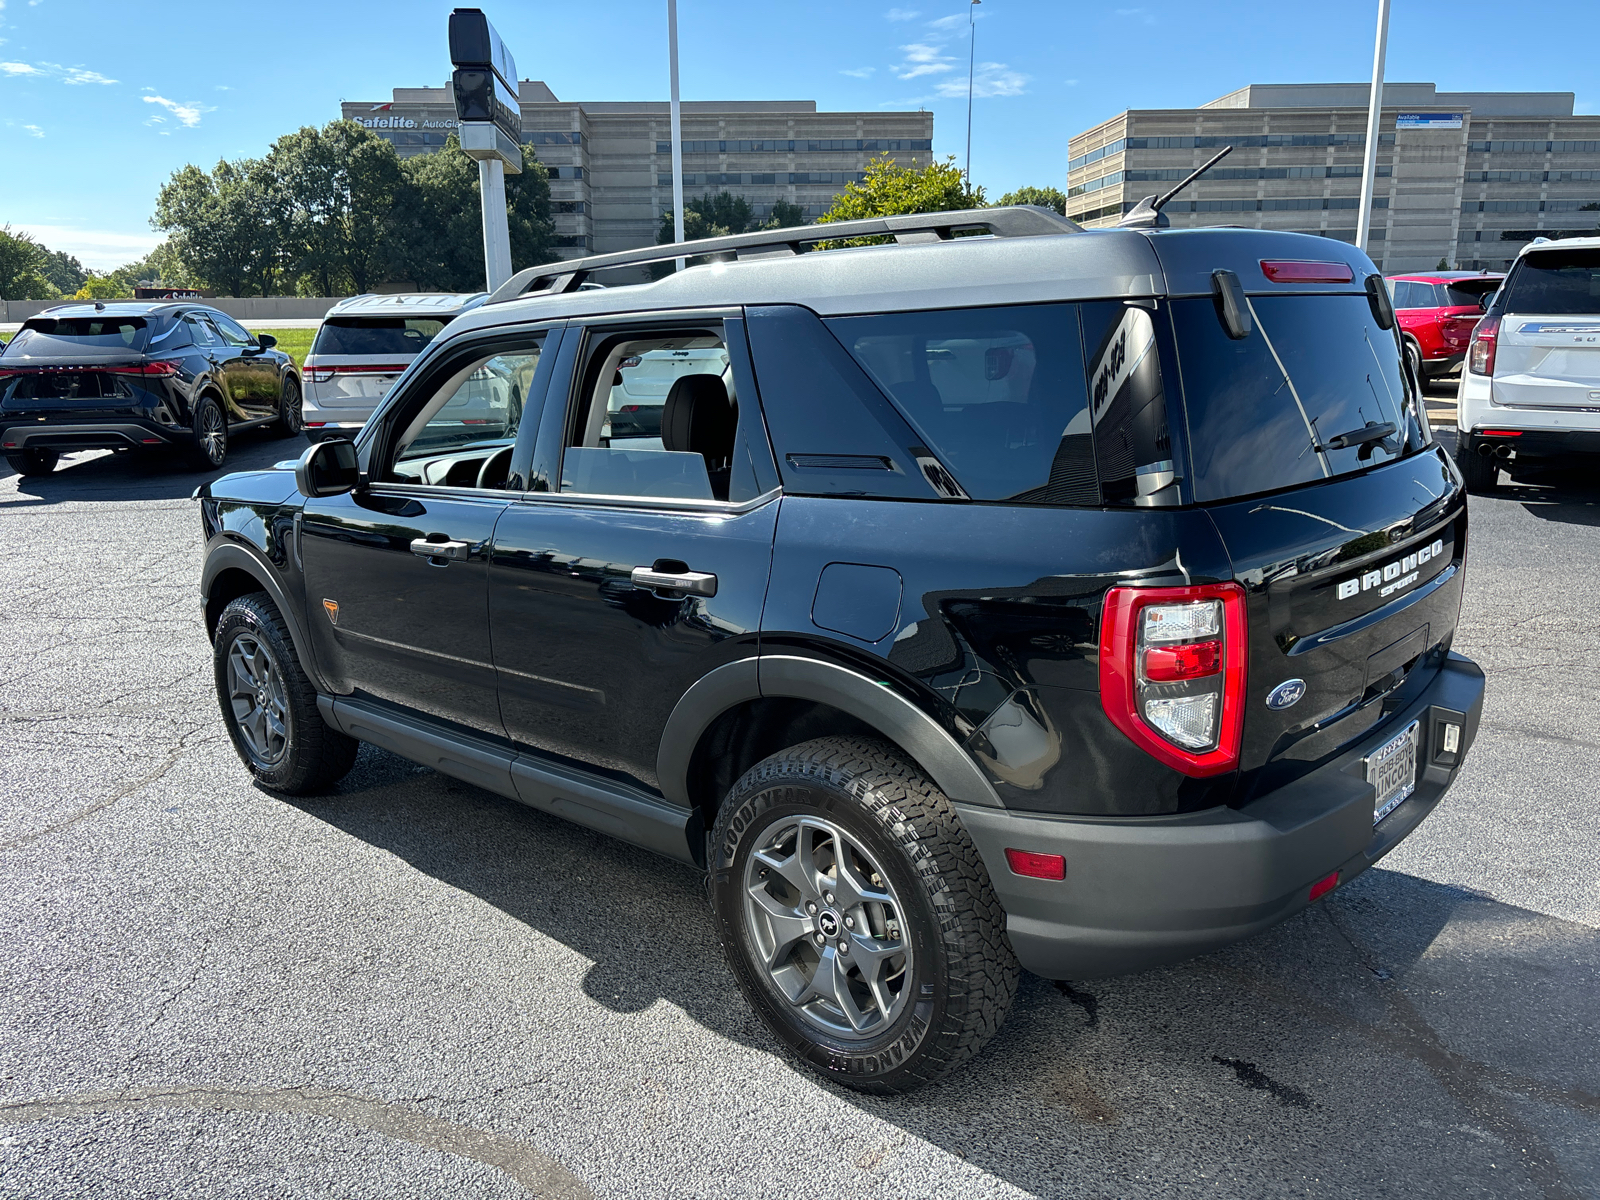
x=101 y=102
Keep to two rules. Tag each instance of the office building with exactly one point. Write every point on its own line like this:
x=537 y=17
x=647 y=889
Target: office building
x=1463 y=177
x=610 y=162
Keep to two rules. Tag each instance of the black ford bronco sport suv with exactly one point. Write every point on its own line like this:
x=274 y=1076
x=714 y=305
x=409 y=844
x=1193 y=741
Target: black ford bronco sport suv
x=1077 y=601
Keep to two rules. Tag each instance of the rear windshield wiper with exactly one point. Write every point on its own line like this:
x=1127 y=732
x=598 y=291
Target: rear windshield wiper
x=1360 y=437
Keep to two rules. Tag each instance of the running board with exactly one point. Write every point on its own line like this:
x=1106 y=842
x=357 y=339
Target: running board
x=628 y=813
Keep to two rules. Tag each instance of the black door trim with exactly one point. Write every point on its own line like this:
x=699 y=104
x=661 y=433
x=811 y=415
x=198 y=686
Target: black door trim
x=630 y=814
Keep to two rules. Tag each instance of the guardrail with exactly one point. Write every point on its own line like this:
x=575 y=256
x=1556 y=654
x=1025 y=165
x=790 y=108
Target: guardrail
x=240 y=308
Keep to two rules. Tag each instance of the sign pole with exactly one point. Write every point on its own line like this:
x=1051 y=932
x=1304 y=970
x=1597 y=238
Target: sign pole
x=496 y=231
x=677 y=126
x=1374 y=109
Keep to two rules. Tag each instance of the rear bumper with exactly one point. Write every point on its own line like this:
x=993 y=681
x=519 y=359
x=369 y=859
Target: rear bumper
x=1539 y=443
x=1444 y=363
x=334 y=429
x=1142 y=892
x=89 y=435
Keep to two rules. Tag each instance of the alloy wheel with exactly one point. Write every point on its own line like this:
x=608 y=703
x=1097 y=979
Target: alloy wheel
x=213 y=434
x=828 y=928
x=257 y=698
x=289 y=408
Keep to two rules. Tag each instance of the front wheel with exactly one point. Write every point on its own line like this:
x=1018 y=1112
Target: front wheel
x=34 y=462
x=857 y=916
x=269 y=705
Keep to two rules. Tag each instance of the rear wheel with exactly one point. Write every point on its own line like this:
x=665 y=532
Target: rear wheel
x=857 y=916
x=210 y=433
x=269 y=705
x=291 y=421
x=1414 y=362
x=34 y=462
x=1480 y=471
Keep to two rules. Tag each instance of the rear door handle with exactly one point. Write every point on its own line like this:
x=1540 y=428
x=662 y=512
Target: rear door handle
x=423 y=548
x=693 y=583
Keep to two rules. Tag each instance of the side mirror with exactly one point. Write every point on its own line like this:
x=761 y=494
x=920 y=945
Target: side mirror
x=266 y=341
x=1378 y=300
x=327 y=468
x=1485 y=300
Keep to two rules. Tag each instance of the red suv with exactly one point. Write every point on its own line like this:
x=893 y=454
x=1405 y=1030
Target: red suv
x=1437 y=310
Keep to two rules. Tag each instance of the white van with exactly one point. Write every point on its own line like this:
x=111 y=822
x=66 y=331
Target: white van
x=363 y=345
x=1531 y=388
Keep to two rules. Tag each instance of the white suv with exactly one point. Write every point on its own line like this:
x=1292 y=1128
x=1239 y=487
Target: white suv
x=1531 y=390
x=363 y=345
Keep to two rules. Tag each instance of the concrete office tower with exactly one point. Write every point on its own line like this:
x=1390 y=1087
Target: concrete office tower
x=611 y=162
x=1467 y=177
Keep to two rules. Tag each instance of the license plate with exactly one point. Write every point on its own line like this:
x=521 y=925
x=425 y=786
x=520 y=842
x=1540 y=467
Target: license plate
x=1392 y=770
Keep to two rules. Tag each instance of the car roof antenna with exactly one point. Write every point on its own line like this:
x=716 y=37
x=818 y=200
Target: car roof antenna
x=1147 y=213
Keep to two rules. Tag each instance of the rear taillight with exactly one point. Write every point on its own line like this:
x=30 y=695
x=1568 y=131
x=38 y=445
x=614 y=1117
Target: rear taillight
x=319 y=375
x=1480 y=358
x=1172 y=672
x=163 y=367
x=631 y=361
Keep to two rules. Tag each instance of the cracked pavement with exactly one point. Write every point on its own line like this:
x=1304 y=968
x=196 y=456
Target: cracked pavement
x=412 y=988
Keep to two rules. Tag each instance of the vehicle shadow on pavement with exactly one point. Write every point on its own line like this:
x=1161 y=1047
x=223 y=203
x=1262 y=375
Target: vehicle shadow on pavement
x=1570 y=495
x=101 y=475
x=1401 y=1030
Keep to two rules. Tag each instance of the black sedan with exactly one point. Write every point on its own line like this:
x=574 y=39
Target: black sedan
x=139 y=375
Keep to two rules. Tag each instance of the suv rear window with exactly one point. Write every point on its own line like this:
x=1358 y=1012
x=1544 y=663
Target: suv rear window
x=1259 y=409
x=1554 y=283
x=79 y=335
x=376 y=336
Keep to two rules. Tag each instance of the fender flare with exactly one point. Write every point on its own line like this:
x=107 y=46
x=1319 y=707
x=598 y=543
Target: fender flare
x=242 y=557
x=891 y=714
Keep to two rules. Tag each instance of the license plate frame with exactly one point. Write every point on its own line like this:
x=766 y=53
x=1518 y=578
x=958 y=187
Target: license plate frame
x=1392 y=770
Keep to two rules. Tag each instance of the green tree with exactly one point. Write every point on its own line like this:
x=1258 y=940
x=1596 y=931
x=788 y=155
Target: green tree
x=64 y=271
x=718 y=216
x=228 y=226
x=1046 y=197
x=103 y=287
x=435 y=232
x=22 y=268
x=337 y=188
x=890 y=190
x=785 y=216
x=1443 y=266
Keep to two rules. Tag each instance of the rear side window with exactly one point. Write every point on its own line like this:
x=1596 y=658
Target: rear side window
x=998 y=394
x=1262 y=411
x=1468 y=291
x=80 y=335
x=375 y=336
x=1554 y=283
x=1408 y=293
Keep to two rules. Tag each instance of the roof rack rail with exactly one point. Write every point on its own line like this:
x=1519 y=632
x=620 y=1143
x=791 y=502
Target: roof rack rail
x=1020 y=220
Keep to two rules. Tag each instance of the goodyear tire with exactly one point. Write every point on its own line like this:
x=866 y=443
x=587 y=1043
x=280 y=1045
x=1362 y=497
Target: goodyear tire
x=857 y=916
x=269 y=706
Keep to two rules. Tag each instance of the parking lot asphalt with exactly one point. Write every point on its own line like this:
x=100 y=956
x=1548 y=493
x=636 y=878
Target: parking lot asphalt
x=412 y=988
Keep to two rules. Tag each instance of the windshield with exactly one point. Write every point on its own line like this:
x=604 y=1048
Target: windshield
x=376 y=336
x=68 y=336
x=1264 y=411
x=1554 y=283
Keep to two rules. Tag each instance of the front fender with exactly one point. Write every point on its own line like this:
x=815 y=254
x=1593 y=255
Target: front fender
x=228 y=554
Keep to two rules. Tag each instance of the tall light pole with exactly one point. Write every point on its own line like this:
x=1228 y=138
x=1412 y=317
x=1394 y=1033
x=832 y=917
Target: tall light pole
x=677 y=125
x=972 y=58
x=1374 y=109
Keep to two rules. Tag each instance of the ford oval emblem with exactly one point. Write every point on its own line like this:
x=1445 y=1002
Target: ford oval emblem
x=1286 y=694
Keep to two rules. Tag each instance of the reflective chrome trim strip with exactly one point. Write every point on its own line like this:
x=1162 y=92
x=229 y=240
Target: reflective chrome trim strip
x=576 y=687
x=367 y=637
x=708 y=507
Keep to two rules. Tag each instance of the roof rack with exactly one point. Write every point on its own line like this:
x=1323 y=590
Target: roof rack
x=1021 y=220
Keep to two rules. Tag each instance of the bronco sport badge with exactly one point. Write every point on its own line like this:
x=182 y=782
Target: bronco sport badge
x=1394 y=577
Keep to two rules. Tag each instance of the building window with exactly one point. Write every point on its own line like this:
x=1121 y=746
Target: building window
x=581 y=240
x=565 y=172
x=1254 y=140
x=1472 y=206
x=1164 y=174
x=1095 y=156
x=551 y=138
x=1094 y=185
x=789 y=145
x=567 y=206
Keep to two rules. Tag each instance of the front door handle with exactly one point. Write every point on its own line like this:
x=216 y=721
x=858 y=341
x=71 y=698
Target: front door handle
x=423 y=548
x=692 y=583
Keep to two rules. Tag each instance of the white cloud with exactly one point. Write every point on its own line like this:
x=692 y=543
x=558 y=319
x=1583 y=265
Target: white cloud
x=1071 y=82
x=45 y=70
x=222 y=87
x=954 y=21
x=989 y=79
x=1145 y=16
x=895 y=14
x=188 y=114
x=97 y=249
x=923 y=59
x=35 y=130
x=860 y=72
